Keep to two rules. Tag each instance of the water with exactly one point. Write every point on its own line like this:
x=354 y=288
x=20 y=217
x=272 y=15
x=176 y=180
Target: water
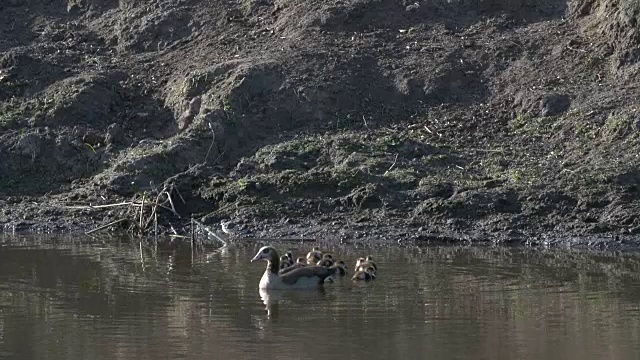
x=67 y=299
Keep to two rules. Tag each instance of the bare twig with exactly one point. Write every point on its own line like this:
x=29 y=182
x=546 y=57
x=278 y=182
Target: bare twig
x=179 y=195
x=173 y=208
x=173 y=229
x=392 y=166
x=178 y=236
x=85 y=207
x=104 y=226
x=365 y=122
x=213 y=140
x=142 y=212
x=574 y=49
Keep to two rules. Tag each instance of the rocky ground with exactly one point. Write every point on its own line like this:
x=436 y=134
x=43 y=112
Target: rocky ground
x=433 y=120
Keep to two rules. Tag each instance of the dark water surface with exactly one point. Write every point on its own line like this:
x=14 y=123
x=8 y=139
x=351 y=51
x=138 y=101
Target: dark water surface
x=64 y=298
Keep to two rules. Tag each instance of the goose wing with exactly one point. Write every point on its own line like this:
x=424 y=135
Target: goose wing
x=320 y=272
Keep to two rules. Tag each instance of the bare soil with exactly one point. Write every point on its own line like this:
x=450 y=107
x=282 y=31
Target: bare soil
x=429 y=120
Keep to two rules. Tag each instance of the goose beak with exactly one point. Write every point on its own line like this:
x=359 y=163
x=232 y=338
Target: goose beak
x=257 y=257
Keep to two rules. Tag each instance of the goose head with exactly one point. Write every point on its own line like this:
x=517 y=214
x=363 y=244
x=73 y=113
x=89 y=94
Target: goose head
x=327 y=256
x=284 y=262
x=314 y=256
x=289 y=256
x=267 y=253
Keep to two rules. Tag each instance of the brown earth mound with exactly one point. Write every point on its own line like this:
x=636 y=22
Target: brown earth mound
x=434 y=119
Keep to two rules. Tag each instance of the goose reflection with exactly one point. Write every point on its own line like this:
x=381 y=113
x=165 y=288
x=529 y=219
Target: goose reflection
x=272 y=299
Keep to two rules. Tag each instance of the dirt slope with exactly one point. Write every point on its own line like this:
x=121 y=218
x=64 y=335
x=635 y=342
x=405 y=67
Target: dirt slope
x=436 y=119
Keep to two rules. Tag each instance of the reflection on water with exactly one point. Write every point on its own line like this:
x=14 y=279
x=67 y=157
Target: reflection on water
x=273 y=298
x=64 y=299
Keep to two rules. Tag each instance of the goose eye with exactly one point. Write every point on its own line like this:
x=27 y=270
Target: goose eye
x=265 y=251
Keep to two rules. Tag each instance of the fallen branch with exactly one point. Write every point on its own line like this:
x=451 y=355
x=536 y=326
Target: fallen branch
x=224 y=243
x=102 y=227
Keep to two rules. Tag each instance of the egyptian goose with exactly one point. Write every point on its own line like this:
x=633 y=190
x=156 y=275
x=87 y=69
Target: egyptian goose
x=341 y=267
x=229 y=228
x=314 y=256
x=367 y=274
x=326 y=262
x=284 y=262
x=299 y=278
x=289 y=256
x=300 y=262
x=363 y=263
x=369 y=259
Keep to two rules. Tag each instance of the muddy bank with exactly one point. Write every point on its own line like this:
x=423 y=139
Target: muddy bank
x=447 y=120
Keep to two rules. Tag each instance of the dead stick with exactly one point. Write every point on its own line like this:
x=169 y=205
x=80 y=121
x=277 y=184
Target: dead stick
x=210 y=232
x=193 y=234
x=173 y=208
x=154 y=215
x=83 y=207
x=392 y=166
x=173 y=229
x=365 y=123
x=142 y=212
x=179 y=236
x=180 y=195
x=104 y=226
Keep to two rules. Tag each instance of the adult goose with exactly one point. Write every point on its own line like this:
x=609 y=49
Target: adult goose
x=300 y=278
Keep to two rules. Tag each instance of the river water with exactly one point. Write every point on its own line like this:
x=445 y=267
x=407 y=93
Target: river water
x=75 y=298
